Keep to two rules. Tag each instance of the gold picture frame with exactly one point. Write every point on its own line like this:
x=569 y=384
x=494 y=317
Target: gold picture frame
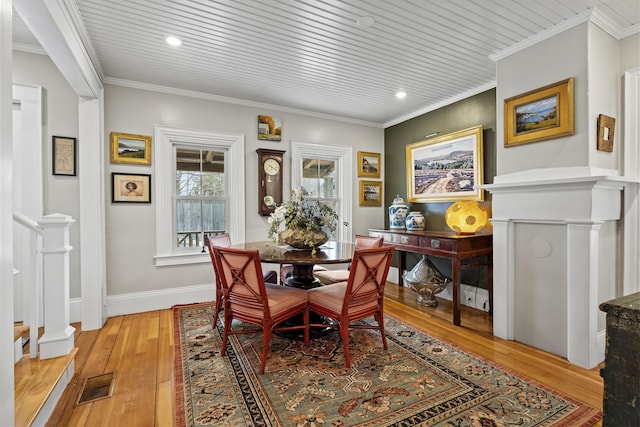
x=370 y=193
x=446 y=168
x=541 y=114
x=130 y=188
x=369 y=164
x=130 y=148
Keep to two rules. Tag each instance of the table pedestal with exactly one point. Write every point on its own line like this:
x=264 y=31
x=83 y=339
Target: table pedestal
x=302 y=277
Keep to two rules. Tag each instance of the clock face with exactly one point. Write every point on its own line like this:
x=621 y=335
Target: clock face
x=271 y=166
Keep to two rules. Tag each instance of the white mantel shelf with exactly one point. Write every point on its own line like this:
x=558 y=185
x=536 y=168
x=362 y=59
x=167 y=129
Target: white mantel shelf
x=554 y=232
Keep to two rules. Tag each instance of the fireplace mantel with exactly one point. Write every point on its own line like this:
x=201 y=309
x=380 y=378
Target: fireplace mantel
x=555 y=256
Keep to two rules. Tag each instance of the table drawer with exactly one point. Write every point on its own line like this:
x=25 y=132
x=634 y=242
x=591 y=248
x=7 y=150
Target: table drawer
x=400 y=239
x=436 y=243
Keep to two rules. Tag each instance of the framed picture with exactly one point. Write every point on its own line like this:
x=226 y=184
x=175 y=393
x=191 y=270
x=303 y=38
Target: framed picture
x=130 y=188
x=130 y=148
x=541 y=114
x=446 y=168
x=369 y=164
x=269 y=128
x=64 y=155
x=370 y=193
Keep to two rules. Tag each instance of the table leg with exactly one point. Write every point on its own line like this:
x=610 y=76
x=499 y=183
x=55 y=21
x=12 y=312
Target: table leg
x=402 y=259
x=455 y=286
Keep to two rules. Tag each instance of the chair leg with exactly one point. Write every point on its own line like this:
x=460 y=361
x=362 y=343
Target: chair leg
x=306 y=327
x=380 y=319
x=344 y=335
x=266 y=339
x=217 y=309
x=225 y=335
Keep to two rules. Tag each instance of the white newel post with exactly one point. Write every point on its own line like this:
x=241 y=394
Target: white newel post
x=57 y=339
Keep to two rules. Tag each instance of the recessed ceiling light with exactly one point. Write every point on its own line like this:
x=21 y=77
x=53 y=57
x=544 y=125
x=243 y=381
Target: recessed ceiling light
x=401 y=94
x=365 y=21
x=173 y=41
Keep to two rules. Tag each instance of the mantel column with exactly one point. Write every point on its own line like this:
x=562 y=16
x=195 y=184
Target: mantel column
x=583 y=347
x=58 y=333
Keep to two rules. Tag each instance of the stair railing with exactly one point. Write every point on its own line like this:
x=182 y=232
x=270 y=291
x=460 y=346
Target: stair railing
x=32 y=278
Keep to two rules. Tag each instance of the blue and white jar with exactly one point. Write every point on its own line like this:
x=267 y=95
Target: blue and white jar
x=415 y=221
x=398 y=213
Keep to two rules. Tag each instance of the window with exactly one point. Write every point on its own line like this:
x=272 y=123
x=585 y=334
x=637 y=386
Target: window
x=199 y=182
x=200 y=195
x=320 y=169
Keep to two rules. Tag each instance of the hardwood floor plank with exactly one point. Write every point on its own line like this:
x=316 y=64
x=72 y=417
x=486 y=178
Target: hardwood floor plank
x=140 y=347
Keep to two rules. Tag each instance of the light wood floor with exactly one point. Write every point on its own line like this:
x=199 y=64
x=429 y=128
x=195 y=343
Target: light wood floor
x=140 y=347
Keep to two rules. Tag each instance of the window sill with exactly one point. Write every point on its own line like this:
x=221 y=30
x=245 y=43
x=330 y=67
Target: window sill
x=182 y=259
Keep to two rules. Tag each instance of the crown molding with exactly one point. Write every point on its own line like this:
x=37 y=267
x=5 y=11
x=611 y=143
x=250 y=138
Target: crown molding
x=541 y=36
x=595 y=15
x=464 y=95
x=228 y=100
x=29 y=48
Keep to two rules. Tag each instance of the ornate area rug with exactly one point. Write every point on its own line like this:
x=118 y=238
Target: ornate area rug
x=420 y=380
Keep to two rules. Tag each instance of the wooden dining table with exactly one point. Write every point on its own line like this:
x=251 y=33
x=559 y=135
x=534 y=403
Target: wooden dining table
x=302 y=260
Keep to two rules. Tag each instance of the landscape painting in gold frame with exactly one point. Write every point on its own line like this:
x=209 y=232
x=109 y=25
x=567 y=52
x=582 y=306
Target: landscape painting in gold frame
x=369 y=164
x=541 y=114
x=370 y=193
x=446 y=168
x=130 y=148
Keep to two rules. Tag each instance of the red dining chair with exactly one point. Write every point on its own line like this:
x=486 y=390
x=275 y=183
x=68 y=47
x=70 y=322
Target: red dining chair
x=224 y=241
x=248 y=299
x=328 y=277
x=361 y=296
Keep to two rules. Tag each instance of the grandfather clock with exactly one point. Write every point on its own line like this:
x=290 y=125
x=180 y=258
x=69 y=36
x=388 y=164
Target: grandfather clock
x=269 y=180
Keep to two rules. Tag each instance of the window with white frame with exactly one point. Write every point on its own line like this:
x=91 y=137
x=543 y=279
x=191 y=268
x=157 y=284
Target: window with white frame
x=322 y=171
x=199 y=192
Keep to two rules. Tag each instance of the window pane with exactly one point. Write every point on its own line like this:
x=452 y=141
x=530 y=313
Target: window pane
x=189 y=223
x=214 y=217
x=213 y=173
x=327 y=179
x=188 y=175
x=319 y=178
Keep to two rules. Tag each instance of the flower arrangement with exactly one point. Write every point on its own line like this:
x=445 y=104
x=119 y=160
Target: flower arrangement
x=307 y=221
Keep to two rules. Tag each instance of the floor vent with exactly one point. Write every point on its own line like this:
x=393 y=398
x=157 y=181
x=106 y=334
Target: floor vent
x=96 y=388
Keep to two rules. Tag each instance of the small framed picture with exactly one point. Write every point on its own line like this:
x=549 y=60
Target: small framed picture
x=368 y=164
x=130 y=148
x=130 y=188
x=64 y=156
x=269 y=128
x=370 y=193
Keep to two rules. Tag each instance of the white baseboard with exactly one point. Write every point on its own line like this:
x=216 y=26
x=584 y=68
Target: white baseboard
x=139 y=302
x=471 y=296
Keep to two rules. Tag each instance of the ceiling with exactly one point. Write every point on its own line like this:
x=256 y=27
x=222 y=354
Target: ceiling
x=312 y=56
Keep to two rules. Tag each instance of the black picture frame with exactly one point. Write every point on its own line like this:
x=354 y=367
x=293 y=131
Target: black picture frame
x=130 y=188
x=63 y=155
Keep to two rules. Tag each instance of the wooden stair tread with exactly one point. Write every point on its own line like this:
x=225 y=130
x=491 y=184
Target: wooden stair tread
x=20 y=331
x=35 y=380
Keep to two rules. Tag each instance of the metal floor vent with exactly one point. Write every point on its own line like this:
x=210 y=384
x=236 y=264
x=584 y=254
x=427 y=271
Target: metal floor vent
x=96 y=388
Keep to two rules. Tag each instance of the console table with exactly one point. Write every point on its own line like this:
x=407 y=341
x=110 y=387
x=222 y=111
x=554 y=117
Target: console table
x=464 y=251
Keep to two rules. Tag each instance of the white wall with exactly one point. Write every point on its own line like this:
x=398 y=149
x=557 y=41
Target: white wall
x=630 y=52
x=61 y=119
x=550 y=61
x=131 y=228
x=604 y=91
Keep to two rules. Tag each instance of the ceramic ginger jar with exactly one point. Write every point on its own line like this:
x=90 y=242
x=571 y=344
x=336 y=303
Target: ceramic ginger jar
x=415 y=221
x=398 y=213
